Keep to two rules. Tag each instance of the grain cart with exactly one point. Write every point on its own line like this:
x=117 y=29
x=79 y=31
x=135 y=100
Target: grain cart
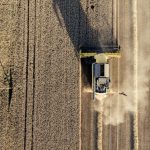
x=100 y=69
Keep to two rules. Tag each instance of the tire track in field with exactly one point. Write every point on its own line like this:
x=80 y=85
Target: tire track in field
x=33 y=102
x=26 y=91
x=135 y=55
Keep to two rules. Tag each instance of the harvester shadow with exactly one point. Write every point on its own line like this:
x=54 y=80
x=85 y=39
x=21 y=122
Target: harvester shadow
x=77 y=24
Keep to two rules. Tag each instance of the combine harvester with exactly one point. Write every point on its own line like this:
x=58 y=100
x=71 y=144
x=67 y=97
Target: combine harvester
x=100 y=62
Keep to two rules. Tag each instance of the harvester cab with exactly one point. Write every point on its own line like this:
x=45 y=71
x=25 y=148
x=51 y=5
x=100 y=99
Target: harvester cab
x=101 y=77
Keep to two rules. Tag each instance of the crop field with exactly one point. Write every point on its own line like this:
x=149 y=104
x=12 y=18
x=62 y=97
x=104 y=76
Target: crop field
x=45 y=88
x=41 y=107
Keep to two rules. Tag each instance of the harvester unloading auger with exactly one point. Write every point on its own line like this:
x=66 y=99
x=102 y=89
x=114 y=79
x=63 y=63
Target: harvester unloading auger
x=100 y=68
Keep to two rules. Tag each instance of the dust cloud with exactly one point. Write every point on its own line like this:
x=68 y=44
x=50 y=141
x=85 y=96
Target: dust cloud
x=114 y=107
